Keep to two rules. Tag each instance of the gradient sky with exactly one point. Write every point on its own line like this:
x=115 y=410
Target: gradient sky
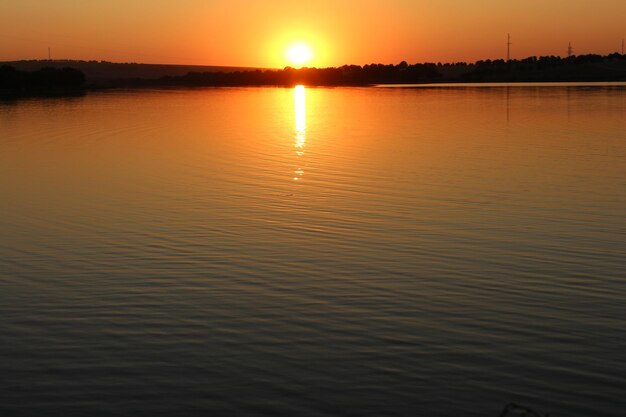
x=256 y=33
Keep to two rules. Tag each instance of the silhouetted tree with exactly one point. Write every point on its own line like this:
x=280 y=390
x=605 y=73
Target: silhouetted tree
x=42 y=81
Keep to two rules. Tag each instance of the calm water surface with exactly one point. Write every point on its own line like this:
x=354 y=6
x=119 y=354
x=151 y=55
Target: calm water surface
x=318 y=252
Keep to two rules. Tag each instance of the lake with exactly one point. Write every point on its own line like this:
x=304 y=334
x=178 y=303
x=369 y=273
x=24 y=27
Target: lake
x=314 y=252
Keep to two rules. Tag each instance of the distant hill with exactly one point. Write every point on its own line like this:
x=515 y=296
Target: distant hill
x=99 y=71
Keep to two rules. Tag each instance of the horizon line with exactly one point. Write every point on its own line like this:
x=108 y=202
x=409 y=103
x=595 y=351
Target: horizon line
x=301 y=67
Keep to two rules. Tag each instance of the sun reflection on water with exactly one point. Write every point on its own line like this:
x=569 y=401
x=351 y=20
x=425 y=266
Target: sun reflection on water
x=300 y=132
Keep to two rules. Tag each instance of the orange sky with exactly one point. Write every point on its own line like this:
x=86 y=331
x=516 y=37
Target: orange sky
x=256 y=33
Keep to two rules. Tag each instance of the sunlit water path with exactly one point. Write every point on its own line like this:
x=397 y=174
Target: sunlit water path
x=314 y=252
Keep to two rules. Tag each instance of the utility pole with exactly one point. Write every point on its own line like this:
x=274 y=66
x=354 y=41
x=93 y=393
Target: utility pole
x=49 y=56
x=622 y=46
x=570 y=50
x=508 y=47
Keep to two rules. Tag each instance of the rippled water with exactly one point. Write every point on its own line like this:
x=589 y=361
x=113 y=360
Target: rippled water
x=318 y=252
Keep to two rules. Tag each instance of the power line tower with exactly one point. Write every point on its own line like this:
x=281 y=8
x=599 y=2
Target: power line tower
x=508 y=47
x=570 y=50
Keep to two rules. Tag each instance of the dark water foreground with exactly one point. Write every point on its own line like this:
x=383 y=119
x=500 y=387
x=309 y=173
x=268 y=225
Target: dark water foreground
x=318 y=252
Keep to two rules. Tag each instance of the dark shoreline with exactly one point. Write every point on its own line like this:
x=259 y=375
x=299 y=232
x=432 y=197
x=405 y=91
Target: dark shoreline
x=68 y=81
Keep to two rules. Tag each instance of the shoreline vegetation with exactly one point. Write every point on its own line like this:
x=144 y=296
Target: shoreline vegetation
x=46 y=81
x=53 y=78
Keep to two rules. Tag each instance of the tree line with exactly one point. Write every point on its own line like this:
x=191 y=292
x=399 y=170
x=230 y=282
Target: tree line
x=42 y=81
x=591 y=67
x=545 y=68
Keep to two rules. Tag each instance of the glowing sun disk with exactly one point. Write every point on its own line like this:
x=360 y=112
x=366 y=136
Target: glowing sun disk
x=299 y=54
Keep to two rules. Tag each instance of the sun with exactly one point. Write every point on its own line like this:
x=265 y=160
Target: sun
x=299 y=54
